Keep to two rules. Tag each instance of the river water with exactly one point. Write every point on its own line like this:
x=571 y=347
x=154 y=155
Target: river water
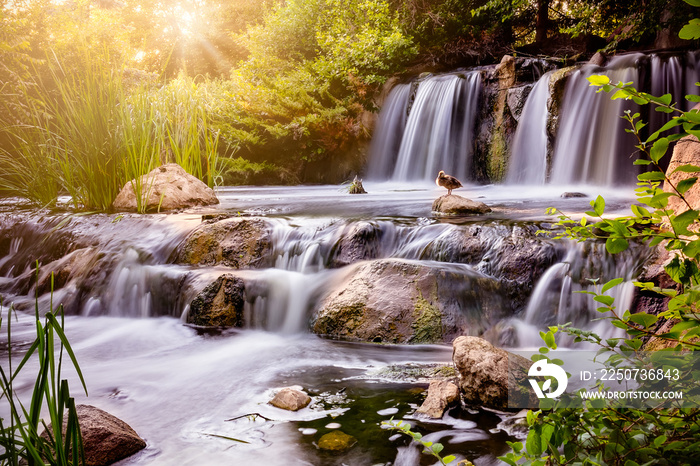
x=188 y=391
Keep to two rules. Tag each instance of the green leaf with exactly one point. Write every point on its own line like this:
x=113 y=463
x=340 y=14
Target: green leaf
x=692 y=2
x=604 y=299
x=651 y=176
x=644 y=319
x=598 y=205
x=683 y=221
x=692 y=249
x=611 y=284
x=687 y=169
x=692 y=98
x=684 y=185
x=658 y=150
x=690 y=31
x=598 y=80
x=449 y=459
x=616 y=245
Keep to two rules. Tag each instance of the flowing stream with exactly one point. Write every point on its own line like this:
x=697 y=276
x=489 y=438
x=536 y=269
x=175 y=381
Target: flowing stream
x=186 y=389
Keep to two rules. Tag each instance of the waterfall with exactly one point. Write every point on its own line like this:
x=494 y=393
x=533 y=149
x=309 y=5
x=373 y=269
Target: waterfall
x=528 y=161
x=592 y=145
x=438 y=134
x=387 y=135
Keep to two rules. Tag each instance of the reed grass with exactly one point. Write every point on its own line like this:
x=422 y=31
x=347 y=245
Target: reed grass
x=82 y=133
x=20 y=437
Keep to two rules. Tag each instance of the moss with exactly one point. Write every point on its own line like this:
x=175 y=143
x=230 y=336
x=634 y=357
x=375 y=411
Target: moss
x=427 y=323
x=445 y=372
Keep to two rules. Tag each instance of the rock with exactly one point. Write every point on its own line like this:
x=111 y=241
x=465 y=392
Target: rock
x=106 y=439
x=441 y=394
x=570 y=195
x=685 y=152
x=516 y=98
x=290 y=399
x=65 y=268
x=458 y=205
x=358 y=241
x=485 y=375
x=336 y=441
x=220 y=304
x=239 y=242
x=168 y=187
x=392 y=300
x=598 y=59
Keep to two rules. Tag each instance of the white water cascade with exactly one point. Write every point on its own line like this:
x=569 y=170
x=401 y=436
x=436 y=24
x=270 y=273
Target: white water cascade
x=438 y=133
x=528 y=160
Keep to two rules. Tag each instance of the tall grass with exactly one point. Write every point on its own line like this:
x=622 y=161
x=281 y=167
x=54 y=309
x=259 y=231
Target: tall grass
x=82 y=133
x=20 y=437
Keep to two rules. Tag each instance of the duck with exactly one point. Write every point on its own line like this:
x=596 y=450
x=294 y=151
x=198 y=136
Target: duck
x=448 y=182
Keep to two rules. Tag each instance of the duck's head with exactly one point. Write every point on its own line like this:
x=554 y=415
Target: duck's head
x=441 y=173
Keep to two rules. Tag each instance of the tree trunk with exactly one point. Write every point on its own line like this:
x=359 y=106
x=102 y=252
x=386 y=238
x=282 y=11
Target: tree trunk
x=542 y=24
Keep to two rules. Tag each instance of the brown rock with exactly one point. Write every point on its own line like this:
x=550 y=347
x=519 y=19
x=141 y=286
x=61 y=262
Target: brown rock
x=290 y=399
x=336 y=441
x=485 y=374
x=458 y=205
x=686 y=152
x=441 y=394
x=239 y=242
x=598 y=59
x=220 y=304
x=165 y=188
x=397 y=301
x=106 y=439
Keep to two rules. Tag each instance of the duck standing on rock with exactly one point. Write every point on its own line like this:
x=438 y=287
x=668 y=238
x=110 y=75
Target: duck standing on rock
x=448 y=182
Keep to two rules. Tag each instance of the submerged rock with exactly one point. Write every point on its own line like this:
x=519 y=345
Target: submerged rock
x=165 y=188
x=487 y=372
x=441 y=394
x=397 y=301
x=458 y=205
x=106 y=439
x=570 y=195
x=239 y=242
x=336 y=441
x=220 y=304
x=290 y=399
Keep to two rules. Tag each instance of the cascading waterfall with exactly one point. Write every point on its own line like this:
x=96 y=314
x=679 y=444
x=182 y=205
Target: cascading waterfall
x=438 y=133
x=528 y=160
x=591 y=137
x=591 y=144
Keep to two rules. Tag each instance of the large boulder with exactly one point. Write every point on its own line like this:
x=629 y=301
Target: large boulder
x=106 y=439
x=238 y=242
x=486 y=373
x=685 y=152
x=220 y=304
x=165 y=188
x=453 y=204
x=397 y=301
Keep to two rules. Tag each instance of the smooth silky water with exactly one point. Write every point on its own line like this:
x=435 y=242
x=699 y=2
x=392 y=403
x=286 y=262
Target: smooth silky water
x=183 y=389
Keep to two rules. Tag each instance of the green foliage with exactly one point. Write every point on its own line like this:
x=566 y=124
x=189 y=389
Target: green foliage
x=20 y=436
x=81 y=133
x=599 y=434
x=429 y=448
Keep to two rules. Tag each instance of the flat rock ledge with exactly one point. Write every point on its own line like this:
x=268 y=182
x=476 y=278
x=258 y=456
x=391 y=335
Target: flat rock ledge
x=486 y=373
x=167 y=187
x=453 y=204
x=441 y=395
x=290 y=399
x=106 y=439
